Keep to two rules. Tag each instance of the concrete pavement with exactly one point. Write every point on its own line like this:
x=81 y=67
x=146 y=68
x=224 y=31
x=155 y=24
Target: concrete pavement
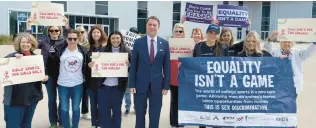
x=306 y=101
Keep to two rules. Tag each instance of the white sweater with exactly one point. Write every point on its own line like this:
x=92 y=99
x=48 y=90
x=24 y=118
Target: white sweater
x=297 y=56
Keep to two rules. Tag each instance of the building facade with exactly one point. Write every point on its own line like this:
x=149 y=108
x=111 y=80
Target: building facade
x=115 y=15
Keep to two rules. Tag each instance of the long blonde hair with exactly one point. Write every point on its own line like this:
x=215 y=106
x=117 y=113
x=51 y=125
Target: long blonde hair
x=258 y=40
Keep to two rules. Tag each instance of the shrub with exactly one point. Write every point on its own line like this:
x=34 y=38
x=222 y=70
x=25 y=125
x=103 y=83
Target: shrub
x=6 y=40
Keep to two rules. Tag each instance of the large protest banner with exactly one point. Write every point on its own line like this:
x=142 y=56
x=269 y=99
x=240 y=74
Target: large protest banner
x=129 y=38
x=47 y=14
x=22 y=70
x=180 y=47
x=237 y=92
x=109 y=64
x=198 y=13
x=298 y=29
x=232 y=16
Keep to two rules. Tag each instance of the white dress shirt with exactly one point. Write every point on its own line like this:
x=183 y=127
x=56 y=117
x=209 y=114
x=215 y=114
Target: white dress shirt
x=155 y=44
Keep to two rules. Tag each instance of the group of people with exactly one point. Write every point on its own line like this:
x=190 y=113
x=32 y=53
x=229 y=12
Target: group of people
x=151 y=72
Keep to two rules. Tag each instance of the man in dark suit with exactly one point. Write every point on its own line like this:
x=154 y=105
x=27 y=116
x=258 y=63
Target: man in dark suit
x=149 y=74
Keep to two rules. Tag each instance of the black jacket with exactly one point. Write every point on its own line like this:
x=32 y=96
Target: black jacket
x=93 y=82
x=122 y=81
x=22 y=94
x=54 y=60
x=264 y=54
x=197 y=52
x=235 y=48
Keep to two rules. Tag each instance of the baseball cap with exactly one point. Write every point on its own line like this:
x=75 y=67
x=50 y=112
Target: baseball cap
x=213 y=27
x=134 y=30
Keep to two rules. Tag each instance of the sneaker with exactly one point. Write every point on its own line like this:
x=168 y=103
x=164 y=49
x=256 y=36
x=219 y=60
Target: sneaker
x=53 y=126
x=86 y=116
x=126 y=112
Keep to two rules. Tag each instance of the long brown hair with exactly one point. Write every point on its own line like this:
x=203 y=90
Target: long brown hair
x=102 y=39
x=224 y=30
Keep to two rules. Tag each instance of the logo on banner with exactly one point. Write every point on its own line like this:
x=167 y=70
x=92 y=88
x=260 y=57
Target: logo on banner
x=6 y=76
x=96 y=68
x=229 y=119
x=282 y=33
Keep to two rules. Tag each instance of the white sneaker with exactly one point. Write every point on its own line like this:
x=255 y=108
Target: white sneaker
x=86 y=116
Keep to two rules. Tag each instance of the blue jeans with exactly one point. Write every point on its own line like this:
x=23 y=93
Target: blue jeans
x=19 y=117
x=51 y=87
x=110 y=104
x=75 y=94
x=93 y=107
x=127 y=98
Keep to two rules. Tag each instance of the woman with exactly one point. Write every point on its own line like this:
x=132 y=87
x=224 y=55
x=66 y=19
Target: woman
x=83 y=41
x=112 y=89
x=197 y=35
x=20 y=100
x=82 y=38
x=297 y=57
x=252 y=46
x=48 y=49
x=227 y=38
x=97 y=39
x=211 y=47
x=72 y=62
x=178 y=32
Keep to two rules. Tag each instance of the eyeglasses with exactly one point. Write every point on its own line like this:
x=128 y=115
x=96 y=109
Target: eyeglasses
x=70 y=39
x=178 y=31
x=53 y=31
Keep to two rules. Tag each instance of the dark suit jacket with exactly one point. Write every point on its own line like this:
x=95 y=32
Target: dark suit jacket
x=143 y=73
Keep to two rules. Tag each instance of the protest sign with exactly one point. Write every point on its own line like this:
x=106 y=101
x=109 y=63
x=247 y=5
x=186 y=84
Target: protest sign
x=298 y=29
x=237 y=92
x=198 y=13
x=181 y=47
x=129 y=38
x=47 y=14
x=109 y=64
x=232 y=16
x=23 y=70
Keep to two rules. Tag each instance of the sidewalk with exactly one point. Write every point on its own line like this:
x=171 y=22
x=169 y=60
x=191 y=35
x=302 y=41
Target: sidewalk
x=306 y=101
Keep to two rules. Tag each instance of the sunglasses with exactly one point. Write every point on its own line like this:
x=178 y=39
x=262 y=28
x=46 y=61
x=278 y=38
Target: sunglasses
x=178 y=31
x=82 y=32
x=70 y=39
x=53 y=31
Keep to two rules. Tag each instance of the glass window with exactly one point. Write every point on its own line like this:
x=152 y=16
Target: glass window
x=177 y=6
x=141 y=25
x=61 y=2
x=225 y=2
x=265 y=21
x=240 y=3
x=101 y=2
x=142 y=13
x=105 y=21
x=106 y=30
x=101 y=9
x=264 y=27
x=142 y=5
x=112 y=25
x=176 y=16
x=85 y=20
x=267 y=3
x=71 y=21
x=314 y=9
x=78 y=19
x=93 y=20
x=40 y=29
x=13 y=22
x=265 y=11
x=22 y=26
x=99 y=21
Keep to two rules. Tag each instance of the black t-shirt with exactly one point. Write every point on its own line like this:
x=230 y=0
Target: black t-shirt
x=207 y=51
